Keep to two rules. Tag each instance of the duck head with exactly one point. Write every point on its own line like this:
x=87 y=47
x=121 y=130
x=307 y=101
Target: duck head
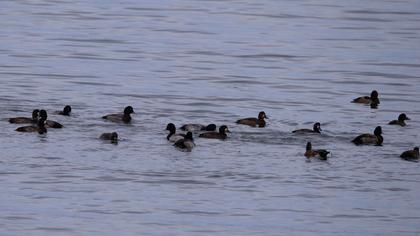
x=224 y=129
x=262 y=115
x=128 y=110
x=403 y=117
x=67 y=110
x=317 y=127
x=171 y=128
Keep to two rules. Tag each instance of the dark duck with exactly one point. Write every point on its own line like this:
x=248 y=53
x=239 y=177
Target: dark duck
x=315 y=130
x=26 y=120
x=410 y=155
x=40 y=127
x=401 y=120
x=372 y=100
x=125 y=117
x=113 y=137
x=254 y=122
x=321 y=154
x=216 y=135
x=370 y=139
x=66 y=111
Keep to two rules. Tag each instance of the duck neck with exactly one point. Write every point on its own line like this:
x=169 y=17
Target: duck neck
x=41 y=127
x=126 y=118
x=380 y=140
x=171 y=132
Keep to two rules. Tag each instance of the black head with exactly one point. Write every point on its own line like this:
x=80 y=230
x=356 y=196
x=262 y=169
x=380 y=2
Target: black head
x=189 y=136
x=43 y=114
x=210 y=127
x=262 y=115
x=416 y=149
x=374 y=94
x=67 y=110
x=128 y=110
x=35 y=114
x=323 y=154
x=223 y=129
x=403 y=117
x=378 y=130
x=308 y=146
x=317 y=127
x=171 y=127
x=114 y=136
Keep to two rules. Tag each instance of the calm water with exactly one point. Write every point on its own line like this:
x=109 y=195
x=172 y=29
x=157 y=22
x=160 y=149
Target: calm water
x=209 y=61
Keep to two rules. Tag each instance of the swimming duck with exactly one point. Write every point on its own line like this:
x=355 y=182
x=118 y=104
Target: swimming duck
x=26 y=120
x=216 y=135
x=187 y=143
x=260 y=122
x=401 y=118
x=322 y=154
x=366 y=139
x=411 y=155
x=198 y=127
x=125 y=117
x=49 y=123
x=172 y=137
x=373 y=99
x=316 y=129
x=66 y=111
x=40 y=128
x=113 y=137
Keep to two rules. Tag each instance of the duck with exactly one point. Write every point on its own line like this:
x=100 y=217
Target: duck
x=172 y=136
x=198 y=127
x=185 y=144
x=322 y=154
x=401 y=118
x=49 y=123
x=366 y=139
x=216 y=135
x=40 y=127
x=113 y=137
x=316 y=129
x=254 y=122
x=410 y=155
x=26 y=120
x=373 y=99
x=124 y=117
x=66 y=111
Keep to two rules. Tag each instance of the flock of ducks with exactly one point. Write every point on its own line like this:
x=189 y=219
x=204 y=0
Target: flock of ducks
x=185 y=141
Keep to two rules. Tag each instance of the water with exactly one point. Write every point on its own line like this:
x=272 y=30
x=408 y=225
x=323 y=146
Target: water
x=209 y=62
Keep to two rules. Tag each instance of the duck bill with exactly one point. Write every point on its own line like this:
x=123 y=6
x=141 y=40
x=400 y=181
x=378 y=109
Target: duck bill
x=227 y=131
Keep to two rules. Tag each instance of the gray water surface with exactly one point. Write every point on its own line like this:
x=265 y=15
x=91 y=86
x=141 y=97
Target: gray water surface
x=209 y=61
